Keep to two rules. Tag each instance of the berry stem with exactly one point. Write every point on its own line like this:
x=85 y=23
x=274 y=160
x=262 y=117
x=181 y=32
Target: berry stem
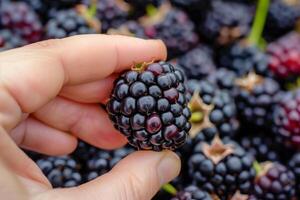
x=169 y=189
x=92 y=9
x=258 y=168
x=259 y=22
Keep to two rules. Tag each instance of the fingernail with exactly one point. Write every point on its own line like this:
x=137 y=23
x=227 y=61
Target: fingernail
x=168 y=167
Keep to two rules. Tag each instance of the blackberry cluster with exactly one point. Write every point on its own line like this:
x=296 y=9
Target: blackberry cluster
x=197 y=63
x=195 y=8
x=61 y=171
x=192 y=193
x=224 y=79
x=284 y=55
x=130 y=28
x=9 y=40
x=277 y=182
x=255 y=98
x=222 y=169
x=149 y=107
x=213 y=111
x=294 y=165
x=182 y=30
x=286 y=120
x=67 y=23
x=243 y=59
x=22 y=20
x=226 y=21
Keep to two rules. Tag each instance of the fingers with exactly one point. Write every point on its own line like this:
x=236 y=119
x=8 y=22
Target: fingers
x=88 y=122
x=137 y=177
x=36 y=136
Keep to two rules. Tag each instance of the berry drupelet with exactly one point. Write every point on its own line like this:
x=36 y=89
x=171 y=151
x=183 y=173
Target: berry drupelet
x=61 y=171
x=286 y=120
x=274 y=182
x=284 y=55
x=149 y=106
x=294 y=165
x=173 y=27
x=222 y=168
x=192 y=192
x=226 y=21
x=224 y=79
x=22 y=20
x=9 y=40
x=197 y=63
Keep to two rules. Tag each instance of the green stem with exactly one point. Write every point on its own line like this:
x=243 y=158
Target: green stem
x=92 y=10
x=259 y=21
x=169 y=189
x=257 y=167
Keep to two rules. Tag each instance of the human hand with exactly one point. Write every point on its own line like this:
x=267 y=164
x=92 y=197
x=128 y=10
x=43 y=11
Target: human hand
x=50 y=94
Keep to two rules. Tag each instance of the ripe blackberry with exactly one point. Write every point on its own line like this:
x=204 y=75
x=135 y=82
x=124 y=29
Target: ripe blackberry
x=103 y=161
x=224 y=79
x=195 y=8
x=61 y=171
x=68 y=23
x=9 y=40
x=226 y=21
x=130 y=28
x=282 y=17
x=84 y=152
x=284 y=55
x=197 y=63
x=274 y=182
x=286 y=120
x=22 y=20
x=255 y=98
x=111 y=13
x=243 y=59
x=148 y=105
x=192 y=192
x=222 y=168
x=294 y=165
x=171 y=25
x=213 y=112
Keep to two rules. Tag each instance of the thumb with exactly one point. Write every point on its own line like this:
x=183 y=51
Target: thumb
x=137 y=177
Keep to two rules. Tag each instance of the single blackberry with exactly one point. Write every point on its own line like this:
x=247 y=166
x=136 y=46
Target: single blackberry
x=255 y=98
x=282 y=17
x=197 y=63
x=243 y=59
x=274 y=182
x=226 y=21
x=171 y=25
x=213 y=112
x=22 y=20
x=84 y=152
x=222 y=168
x=224 y=79
x=61 y=171
x=294 y=165
x=68 y=23
x=148 y=105
x=130 y=28
x=284 y=56
x=103 y=161
x=192 y=192
x=286 y=120
x=9 y=40
x=111 y=13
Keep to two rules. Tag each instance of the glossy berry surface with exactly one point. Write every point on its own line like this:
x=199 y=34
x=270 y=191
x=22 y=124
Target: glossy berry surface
x=9 y=40
x=192 y=193
x=150 y=107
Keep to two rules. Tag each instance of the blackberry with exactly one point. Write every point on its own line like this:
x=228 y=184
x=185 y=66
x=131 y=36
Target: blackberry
x=22 y=20
x=195 y=8
x=224 y=79
x=68 y=23
x=286 y=120
x=141 y=7
x=282 y=17
x=284 y=56
x=243 y=59
x=274 y=182
x=130 y=28
x=61 y=171
x=171 y=25
x=192 y=192
x=9 y=40
x=294 y=165
x=111 y=13
x=148 y=105
x=103 y=161
x=255 y=98
x=226 y=21
x=84 y=152
x=197 y=63
x=213 y=111
x=222 y=168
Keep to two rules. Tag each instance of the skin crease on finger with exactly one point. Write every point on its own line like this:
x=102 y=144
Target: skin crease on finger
x=71 y=67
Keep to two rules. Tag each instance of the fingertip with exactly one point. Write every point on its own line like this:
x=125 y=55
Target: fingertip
x=162 y=49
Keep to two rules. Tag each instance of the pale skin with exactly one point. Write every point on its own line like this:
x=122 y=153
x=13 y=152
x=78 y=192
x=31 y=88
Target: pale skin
x=50 y=94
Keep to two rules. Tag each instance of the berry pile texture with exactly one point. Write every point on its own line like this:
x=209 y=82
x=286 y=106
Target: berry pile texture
x=294 y=165
x=9 y=40
x=192 y=193
x=150 y=107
